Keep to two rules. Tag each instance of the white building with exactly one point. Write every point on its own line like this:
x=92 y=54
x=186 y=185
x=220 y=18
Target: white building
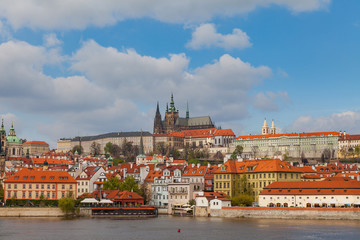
x=311 y=194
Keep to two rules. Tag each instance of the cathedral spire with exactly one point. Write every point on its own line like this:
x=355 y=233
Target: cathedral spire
x=187 y=110
x=141 y=150
x=172 y=104
x=265 y=128
x=157 y=108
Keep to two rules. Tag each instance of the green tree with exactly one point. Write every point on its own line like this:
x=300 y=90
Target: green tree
x=95 y=148
x=130 y=185
x=245 y=186
x=118 y=161
x=79 y=149
x=242 y=200
x=357 y=151
x=192 y=202
x=161 y=148
x=113 y=183
x=1 y=193
x=109 y=148
x=237 y=152
x=67 y=206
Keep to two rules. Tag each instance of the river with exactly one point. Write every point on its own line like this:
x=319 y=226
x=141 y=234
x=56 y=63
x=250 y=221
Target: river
x=166 y=227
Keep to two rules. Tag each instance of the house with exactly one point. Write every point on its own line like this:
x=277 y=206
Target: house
x=32 y=184
x=344 y=193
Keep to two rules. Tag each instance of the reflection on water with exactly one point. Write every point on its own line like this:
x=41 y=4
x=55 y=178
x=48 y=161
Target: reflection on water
x=165 y=227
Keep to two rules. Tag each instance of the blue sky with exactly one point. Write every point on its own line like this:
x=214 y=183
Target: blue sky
x=88 y=68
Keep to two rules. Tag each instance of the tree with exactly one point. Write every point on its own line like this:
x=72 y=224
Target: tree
x=254 y=151
x=245 y=186
x=237 y=152
x=79 y=149
x=192 y=202
x=67 y=205
x=95 y=148
x=130 y=184
x=219 y=156
x=242 y=200
x=1 y=193
x=113 y=183
x=357 y=151
x=118 y=161
x=161 y=148
x=109 y=148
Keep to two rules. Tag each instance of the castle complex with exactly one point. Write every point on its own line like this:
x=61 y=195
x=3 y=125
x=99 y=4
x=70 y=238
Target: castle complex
x=174 y=123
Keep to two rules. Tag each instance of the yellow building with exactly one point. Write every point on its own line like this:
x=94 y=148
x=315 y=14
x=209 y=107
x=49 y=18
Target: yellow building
x=256 y=174
x=32 y=184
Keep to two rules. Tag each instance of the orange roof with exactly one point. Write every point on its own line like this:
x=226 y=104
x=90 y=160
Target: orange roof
x=176 y=134
x=253 y=166
x=311 y=134
x=51 y=161
x=36 y=142
x=312 y=188
x=32 y=176
x=349 y=137
x=194 y=171
x=306 y=169
x=224 y=132
x=153 y=174
x=199 y=133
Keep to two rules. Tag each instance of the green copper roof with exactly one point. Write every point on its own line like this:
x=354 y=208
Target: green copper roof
x=2 y=129
x=13 y=139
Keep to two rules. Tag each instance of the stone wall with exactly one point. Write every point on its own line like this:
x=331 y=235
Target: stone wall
x=30 y=212
x=286 y=213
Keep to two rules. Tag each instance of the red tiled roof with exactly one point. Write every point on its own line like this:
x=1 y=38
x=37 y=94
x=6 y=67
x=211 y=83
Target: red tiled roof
x=224 y=132
x=252 y=166
x=36 y=142
x=312 y=188
x=194 y=171
x=349 y=137
x=51 y=161
x=32 y=176
x=311 y=134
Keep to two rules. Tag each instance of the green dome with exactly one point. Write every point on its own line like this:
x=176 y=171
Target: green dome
x=13 y=139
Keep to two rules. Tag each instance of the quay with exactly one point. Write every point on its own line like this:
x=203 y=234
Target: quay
x=128 y=212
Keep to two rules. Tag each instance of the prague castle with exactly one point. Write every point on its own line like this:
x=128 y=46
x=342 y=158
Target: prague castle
x=173 y=122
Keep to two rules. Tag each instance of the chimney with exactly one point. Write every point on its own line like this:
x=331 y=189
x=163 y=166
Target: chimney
x=198 y=165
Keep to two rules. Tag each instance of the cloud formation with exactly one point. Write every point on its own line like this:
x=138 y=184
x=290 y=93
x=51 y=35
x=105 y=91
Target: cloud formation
x=112 y=90
x=60 y=14
x=205 y=36
x=345 y=121
x=269 y=101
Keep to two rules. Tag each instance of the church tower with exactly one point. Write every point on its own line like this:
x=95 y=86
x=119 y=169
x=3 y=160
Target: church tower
x=265 y=128
x=171 y=115
x=2 y=139
x=272 y=129
x=158 y=126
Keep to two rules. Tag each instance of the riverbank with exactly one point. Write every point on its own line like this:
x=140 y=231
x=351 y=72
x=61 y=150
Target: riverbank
x=282 y=213
x=31 y=212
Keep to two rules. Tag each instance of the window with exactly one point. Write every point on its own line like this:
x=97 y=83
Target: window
x=42 y=186
x=37 y=194
x=53 y=195
x=24 y=186
x=70 y=186
x=29 y=194
x=30 y=186
x=53 y=186
x=37 y=186
x=48 y=186
x=63 y=186
x=63 y=195
x=15 y=186
x=23 y=194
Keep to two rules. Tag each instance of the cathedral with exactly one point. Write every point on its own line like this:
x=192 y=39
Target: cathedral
x=174 y=123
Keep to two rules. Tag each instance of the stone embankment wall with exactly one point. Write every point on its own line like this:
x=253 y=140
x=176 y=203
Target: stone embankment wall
x=284 y=213
x=30 y=212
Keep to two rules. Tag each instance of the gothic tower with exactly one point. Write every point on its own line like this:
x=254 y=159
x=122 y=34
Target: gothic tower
x=158 y=126
x=265 y=128
x=2 y=139
x=171 y=115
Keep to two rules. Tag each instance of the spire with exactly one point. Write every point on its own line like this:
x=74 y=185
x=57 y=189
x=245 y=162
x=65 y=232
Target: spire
x=265 y=128
x=167 y=107
x=172 y=104
x=157 y=108
x=12 y=130
x=141 y=150
x=2 y=130
x=273 y=129
x=187 y=110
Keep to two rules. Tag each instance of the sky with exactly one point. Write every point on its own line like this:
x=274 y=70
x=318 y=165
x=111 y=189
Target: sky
x=86 y=67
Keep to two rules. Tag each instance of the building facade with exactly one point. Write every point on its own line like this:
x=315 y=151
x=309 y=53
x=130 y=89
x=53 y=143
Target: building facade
x=35 y=148
x=313 y=145
x=118 y=138
x=33 y=184
x=311 y=194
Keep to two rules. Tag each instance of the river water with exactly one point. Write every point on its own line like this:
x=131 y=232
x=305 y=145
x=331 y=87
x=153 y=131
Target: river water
x=166 y=227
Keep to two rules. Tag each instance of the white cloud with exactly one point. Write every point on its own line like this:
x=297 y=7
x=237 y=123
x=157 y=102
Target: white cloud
x=345 y=121
x=60 y=14
x=51 y=40
x=205 y=36
x=269 y=101
x=113 y=90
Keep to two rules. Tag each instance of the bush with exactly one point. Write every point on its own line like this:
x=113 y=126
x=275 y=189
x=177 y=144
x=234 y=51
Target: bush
x=242 y=200
x=67 y=206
